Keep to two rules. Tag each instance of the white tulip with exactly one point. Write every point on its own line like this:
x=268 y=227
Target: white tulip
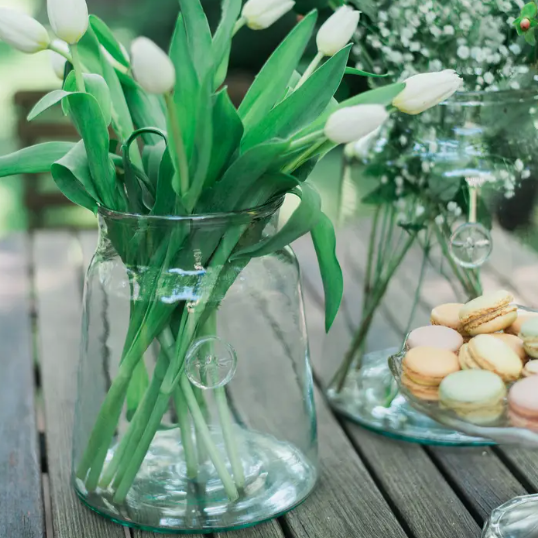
x=353 y=123
x=337 y=31
x=69 y=19
x=57 y=61
x=260 y=14
x=152 y=68
x=22 y=32
x=427 y=90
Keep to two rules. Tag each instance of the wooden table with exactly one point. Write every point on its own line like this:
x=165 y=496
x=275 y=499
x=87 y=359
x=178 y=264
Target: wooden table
x=370 y=485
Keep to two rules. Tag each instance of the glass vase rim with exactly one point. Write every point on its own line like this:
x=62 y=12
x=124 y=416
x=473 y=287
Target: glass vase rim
x=256 y=212
x=483 y=98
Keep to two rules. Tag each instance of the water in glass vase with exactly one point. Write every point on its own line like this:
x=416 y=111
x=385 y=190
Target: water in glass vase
x=195 y=410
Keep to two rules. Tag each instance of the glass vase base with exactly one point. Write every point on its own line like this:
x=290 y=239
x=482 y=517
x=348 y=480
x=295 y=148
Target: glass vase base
x=278 y=477
x=370 y=397
x=517 y=518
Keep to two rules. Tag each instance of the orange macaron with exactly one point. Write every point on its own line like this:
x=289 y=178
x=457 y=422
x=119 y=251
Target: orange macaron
x=425 y=367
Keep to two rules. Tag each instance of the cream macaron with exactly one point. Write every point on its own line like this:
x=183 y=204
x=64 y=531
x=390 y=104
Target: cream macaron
x=488 y=313
x=476 y=396
x=435 y=336
x=515 y=343
x=490 y=353
x=529 y=335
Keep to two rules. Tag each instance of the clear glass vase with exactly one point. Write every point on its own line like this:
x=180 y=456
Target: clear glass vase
x=427 y=190
x=195 y=407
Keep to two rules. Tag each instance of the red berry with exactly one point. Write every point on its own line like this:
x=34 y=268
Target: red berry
x=525 y=24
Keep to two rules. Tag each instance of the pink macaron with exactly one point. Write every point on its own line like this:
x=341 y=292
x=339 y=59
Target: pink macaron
x=436 y=336
x=523 y=403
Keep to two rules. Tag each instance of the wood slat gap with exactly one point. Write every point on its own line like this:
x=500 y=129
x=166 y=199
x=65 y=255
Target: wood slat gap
x=515 y=470
x=372 y=472
x=454 y=485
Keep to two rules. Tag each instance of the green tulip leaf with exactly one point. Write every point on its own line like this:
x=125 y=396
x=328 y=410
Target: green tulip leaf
x=36 y=159
x=108 y=40
x=269 y=186
x=303 y=106
x=46 y=102
x=272 y=81
x=324 y=239
x=165 y=195
x=530 y=37
x=241 y=176
x=231 y=9
x=226 y=118
x=302 y=220
x=198 y=35
x=359 y=72
x=90 y=123
x=95 y=85
x=72 y=175
x=186 y=93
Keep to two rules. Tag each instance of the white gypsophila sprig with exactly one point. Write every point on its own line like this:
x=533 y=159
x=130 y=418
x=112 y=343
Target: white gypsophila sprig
x=474 y=38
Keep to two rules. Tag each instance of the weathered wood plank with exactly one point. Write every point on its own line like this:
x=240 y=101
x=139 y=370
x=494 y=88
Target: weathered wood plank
x=21 y=503
x=57 y=278
x=346 y=501
x=272 y=529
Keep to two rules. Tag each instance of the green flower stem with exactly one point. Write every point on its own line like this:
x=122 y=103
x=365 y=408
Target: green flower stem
x=340 y=377
x=310 y=69
x=136 y=428
x=227 y=480
x=238 y=25
x=188 y=330
x=160 y=408
x=61 y=52
x=303 y=157
x=182 y=166
x=371 y=249
x=77 y=66
x=426 y=252
x=184 y=421
x=225 y=418
x=305 y=140
x=110 y=411
x=473 y=203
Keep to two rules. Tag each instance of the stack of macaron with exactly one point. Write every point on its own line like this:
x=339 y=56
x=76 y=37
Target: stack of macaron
x=470 y=353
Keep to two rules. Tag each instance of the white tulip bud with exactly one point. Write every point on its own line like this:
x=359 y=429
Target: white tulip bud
x=261 y=14
x=337 y=31
x=22 y=32
x=152 y=68
x=427 y=90
x=353 y=123
x=69 y=19
x=57 y=61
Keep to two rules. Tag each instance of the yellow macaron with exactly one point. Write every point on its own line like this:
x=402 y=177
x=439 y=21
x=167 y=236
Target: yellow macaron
x=492 y=354
x=465 y=359
x=515 y=343
x=488 y=313
x=447 y=315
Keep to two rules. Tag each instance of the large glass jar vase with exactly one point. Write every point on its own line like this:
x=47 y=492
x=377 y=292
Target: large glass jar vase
x=195 y=404
x=428 y=192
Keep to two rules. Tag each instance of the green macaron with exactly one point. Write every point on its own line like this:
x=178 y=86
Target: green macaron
x=477 y=396
x=529 y=335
